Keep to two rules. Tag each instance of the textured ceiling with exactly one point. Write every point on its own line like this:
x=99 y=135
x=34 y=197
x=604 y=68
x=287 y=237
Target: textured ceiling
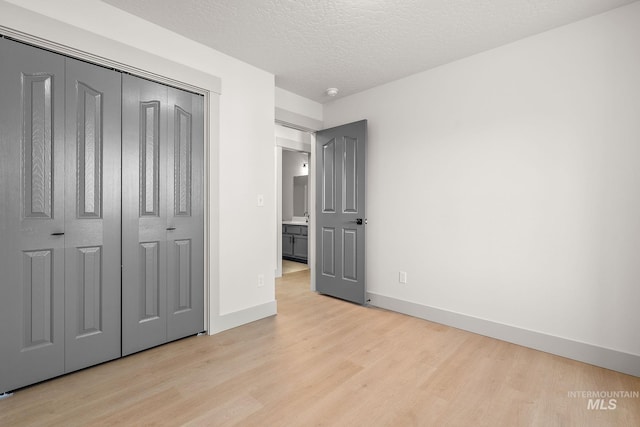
x=353 y=45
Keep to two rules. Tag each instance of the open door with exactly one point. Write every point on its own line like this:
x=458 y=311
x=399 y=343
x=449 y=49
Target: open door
x=340 y=211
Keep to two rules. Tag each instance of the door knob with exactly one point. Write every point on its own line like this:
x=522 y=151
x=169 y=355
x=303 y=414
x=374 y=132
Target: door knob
x=57 y=234
x=170 y=228
x=357 y=221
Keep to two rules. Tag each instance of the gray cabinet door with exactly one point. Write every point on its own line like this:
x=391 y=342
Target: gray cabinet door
x=185 y=214
x=144 y=214
x=31 y=215
x=300 y=247
x=340 y=211
x=162 y=214
x=92 y=218
x=287 y=245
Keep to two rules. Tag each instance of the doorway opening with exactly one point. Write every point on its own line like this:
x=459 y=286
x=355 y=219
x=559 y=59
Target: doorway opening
x=295 y=210
x=340 y=212
x=295 y=201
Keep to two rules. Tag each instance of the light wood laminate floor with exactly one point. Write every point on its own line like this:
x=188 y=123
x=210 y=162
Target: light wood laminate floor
x=322 y=361
x=293 y=266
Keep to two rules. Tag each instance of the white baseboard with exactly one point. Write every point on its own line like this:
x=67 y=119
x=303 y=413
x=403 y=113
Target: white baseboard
x=242 y=317
x=599 y=356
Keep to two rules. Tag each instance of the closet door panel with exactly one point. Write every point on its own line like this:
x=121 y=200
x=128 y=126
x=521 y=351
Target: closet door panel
x=144 y=214
x=31 y=215
x=185 y=238
x=92 y=261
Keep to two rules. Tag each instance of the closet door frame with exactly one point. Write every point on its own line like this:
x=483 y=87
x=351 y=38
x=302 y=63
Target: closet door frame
x=81 y=44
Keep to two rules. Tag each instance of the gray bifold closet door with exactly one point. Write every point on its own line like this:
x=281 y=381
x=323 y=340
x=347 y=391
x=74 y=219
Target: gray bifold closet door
x=59 y=215
x=162 y=214
x=92 y=218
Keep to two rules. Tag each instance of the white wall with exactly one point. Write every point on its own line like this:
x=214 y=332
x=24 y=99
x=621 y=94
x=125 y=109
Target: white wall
x=507 y=184
x=297 y=111
x=298 y=104
x=292 y=139
x=239 y=171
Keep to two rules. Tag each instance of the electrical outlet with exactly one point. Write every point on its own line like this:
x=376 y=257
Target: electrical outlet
x=260 y=280
x=402 y=277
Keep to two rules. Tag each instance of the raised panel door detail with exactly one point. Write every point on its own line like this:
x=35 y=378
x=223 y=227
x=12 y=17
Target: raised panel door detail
x=89 y=148
x=182 y=160
x=90 y=298
x=146 y=181
x=32 y=203
x=92 y=168
x=149 y=280
x=341 y=236
x=328 y=176
x=182 y=251
x=349 y=254
x=350 y=176
x=37 y=300
x=328 y=251
x=149 y=158
x=37 y=104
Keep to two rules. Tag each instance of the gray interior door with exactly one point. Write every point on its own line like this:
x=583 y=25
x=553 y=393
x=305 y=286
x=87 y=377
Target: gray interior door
x=144 y=214
x=185 y=214
x=162 y=213
x=32 y=215
x=340 y=211
x=92 y=219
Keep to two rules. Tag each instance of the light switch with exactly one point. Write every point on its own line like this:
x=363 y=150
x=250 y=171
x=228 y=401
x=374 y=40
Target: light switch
x=261 y=200
x=403 y=277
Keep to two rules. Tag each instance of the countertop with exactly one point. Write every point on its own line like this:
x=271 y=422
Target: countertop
x=295 y=223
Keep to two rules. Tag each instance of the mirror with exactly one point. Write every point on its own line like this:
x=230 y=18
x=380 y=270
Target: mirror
x=300 y=195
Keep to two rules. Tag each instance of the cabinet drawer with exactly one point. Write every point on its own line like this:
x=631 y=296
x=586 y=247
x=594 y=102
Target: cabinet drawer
x=294 y=229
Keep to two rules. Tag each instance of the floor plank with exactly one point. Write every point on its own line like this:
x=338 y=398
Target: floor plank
x=322 y=361
x=293 y=266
